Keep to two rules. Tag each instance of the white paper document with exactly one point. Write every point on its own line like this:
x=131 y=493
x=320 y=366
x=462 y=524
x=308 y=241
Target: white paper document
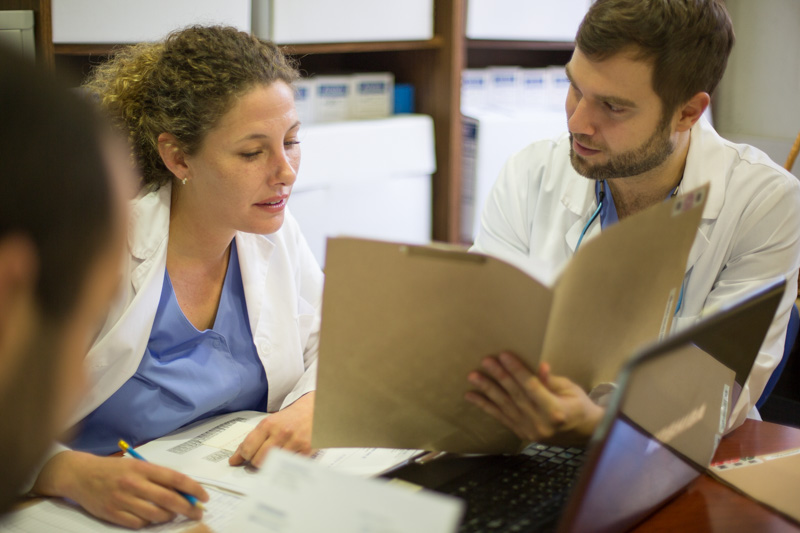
x=58 y=515
x=201 y=450
x=301 y=496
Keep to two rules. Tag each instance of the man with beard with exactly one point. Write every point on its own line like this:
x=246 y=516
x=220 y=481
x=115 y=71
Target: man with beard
x=641 y=77
x=62 y=235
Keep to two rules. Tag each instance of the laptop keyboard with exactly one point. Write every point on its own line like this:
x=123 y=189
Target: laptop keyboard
x=526 y=493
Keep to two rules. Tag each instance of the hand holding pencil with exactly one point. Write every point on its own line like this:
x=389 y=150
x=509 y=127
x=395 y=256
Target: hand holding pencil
x=131 y=493
x=125 y=447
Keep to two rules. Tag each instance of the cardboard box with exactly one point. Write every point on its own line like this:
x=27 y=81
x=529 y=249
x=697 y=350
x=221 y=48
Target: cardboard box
x=365 y=178
x=312 y=21
x=117 y=21
x=525 y=20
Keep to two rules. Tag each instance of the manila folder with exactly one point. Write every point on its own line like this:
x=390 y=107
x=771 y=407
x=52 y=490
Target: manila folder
x=403 y=325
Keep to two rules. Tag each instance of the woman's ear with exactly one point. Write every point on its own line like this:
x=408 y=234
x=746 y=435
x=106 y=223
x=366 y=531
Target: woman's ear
x=172 y=156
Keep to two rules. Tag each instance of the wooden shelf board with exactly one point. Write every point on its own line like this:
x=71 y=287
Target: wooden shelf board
x=436 y=42
x=480 y=44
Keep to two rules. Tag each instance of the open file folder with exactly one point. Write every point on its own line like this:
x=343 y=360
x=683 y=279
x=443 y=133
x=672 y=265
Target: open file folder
x=403 y=326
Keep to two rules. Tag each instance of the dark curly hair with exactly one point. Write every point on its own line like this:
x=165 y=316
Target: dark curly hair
x=182 y=86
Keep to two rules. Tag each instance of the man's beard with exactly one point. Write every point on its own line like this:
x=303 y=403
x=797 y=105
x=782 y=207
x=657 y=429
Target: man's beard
x=652 y=153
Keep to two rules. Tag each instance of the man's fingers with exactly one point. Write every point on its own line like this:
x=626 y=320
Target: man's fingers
x=489 y=408
x=505 y=379
x=495 y=394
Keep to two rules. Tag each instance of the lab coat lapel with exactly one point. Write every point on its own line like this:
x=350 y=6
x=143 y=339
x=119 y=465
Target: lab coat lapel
x=114 y=358
x=704 y=165
x=254 y=253
x=579 y=199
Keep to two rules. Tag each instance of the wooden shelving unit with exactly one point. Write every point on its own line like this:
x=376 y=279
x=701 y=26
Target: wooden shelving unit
x=433 y=66
x=43 y=22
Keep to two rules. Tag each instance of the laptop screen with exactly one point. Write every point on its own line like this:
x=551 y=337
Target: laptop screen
x=634 y=475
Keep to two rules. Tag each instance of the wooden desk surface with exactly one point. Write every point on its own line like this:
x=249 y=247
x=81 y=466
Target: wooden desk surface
x=707 y=505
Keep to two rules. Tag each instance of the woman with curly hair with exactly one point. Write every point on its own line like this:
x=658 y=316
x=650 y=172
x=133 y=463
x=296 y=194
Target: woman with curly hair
x=218 y=309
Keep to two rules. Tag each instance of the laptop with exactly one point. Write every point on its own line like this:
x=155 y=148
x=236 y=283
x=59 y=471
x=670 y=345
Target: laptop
x=659 y=433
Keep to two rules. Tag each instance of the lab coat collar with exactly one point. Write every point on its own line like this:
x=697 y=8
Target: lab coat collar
x=254 y=254
x=580 y=199
x=150 y=216
x=148 y=231
x=705 y=163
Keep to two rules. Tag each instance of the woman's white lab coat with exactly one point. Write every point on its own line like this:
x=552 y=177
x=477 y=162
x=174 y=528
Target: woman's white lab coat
x=283 y=293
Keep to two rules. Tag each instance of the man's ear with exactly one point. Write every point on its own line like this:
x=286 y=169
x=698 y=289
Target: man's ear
x=692 y=110
x=19 y=270
x=172 y=156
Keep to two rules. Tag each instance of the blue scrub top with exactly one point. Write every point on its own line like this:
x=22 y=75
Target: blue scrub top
x=185 y=374
x=608 y=211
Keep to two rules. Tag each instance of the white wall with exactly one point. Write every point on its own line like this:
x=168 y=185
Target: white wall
x=758 y=100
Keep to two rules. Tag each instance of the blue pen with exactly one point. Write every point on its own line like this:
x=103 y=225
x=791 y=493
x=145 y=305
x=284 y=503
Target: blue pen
x=125 y=447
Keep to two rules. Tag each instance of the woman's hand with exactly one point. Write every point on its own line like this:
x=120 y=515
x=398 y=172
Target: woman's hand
x=128 y=492
x=541 y=408
x=289 y=428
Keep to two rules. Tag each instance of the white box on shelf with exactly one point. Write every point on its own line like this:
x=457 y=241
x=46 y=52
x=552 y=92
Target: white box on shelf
x=312 y=21
x=504 y=87
x=373 y=95
x=305 y=99
x=558 y=85
x=474 y=87
x=368 y=178
x=117 y=21
x=489 y=138
x=534 y=88
x=525 y=20
x=332 y=98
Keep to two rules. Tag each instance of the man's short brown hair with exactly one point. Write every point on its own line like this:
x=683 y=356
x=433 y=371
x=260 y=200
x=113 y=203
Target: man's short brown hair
x=687 y=41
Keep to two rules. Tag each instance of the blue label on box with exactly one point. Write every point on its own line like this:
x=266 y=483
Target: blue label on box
x=504 y=79
x=333 y=91
x=372 y=87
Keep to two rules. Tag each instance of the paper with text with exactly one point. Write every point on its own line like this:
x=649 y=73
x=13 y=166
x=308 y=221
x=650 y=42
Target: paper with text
x=301 y=496
x=201 y=450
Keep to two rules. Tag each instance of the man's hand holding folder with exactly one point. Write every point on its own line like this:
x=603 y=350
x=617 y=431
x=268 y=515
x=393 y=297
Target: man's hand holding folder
x=536 y=407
